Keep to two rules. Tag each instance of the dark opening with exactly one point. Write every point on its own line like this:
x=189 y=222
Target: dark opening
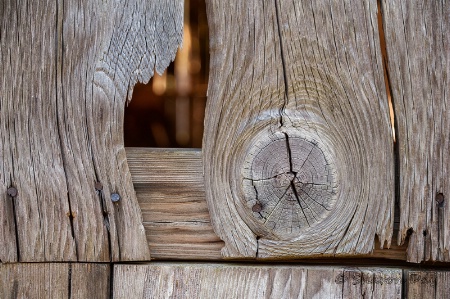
x=169 y=110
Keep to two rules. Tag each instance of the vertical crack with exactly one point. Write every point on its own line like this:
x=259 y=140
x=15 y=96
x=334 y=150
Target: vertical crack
x=393 y=117
x=16 y=229
x=257 y=246
x=292 y=184
x=101 y=196
x=283 y=62
x=404 y=284
x=69 y=284
x=111 y=280
x=59 y=50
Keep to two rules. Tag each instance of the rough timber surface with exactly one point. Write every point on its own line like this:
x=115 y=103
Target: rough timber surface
x=232 y=281
x=171 y=194
x=427 y=284
x=66 y=71
x=418 y=52
x=54 y=280
x=298 y=151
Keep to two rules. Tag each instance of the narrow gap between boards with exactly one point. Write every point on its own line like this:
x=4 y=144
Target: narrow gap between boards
x=392 y=116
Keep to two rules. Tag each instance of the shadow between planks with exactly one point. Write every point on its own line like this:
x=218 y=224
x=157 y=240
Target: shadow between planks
x=171 y=194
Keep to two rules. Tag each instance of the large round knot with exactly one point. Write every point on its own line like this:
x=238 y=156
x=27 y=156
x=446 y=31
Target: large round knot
x=288 y=183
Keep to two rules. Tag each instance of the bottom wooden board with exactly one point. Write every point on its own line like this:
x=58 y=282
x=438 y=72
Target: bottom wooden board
x=55 y=280
x=163 y=280
x=218 y=280
x=428 y=284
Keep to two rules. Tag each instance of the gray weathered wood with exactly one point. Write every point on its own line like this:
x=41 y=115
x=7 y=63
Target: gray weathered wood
x=298 y=148
x=171 y=194
x=158 y=280
x=428 y=284
x=418 y=50
x=54 y=280
x=66 y=72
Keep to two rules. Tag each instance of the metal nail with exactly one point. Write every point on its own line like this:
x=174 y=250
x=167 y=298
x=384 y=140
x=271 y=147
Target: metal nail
x=98 y=186
x=115 y=197
x=257 y=208
x=12 y=191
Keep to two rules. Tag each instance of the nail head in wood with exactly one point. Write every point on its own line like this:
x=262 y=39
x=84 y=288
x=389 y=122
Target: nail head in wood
x=115 y=197
x=12 y=191
x=98 y=186
x=257 y=208
x=440 y=199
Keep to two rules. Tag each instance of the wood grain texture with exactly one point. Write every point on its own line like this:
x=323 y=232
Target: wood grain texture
x=231 y=281
x=66 y=72
x=170 y=190
x=427 y=284
x=298 y=149
x=171 y=194
x=418 y=51
x=54 y=280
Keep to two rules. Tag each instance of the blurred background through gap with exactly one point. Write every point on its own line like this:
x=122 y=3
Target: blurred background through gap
x=169 y=110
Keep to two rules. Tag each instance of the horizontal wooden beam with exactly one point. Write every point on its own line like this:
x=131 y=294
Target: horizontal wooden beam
x=217 y=280
x=189 y=280
x=171 y=193
x=158 y=280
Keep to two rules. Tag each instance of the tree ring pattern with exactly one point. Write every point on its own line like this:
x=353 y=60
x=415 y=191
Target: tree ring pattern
x=291 y=180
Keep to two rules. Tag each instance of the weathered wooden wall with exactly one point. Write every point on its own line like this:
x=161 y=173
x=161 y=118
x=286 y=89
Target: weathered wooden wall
x=298 y=158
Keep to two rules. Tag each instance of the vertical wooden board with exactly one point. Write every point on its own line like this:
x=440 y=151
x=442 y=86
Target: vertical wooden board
x=421 y=284
x=158 y=280
x=67 y=71
x=428 y=284
x=32 y=161
x=298 y=151
x=443 y=284
x=418 y=51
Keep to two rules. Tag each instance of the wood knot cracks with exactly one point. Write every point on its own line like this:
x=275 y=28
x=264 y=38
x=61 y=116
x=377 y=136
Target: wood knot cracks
x=288 y=184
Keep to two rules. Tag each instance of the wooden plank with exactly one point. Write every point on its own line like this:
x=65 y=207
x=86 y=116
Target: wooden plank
x=428 y=284
x=66 y=72
x=54 y=280
x=171 y=194
x=418 y=51
x=159 y=280
x=90 y=280
x=298 y=148
x=170 y=190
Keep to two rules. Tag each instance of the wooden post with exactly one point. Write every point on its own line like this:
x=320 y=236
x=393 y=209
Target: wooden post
x=418 y=50
x=297 y=146
x=67 y=71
